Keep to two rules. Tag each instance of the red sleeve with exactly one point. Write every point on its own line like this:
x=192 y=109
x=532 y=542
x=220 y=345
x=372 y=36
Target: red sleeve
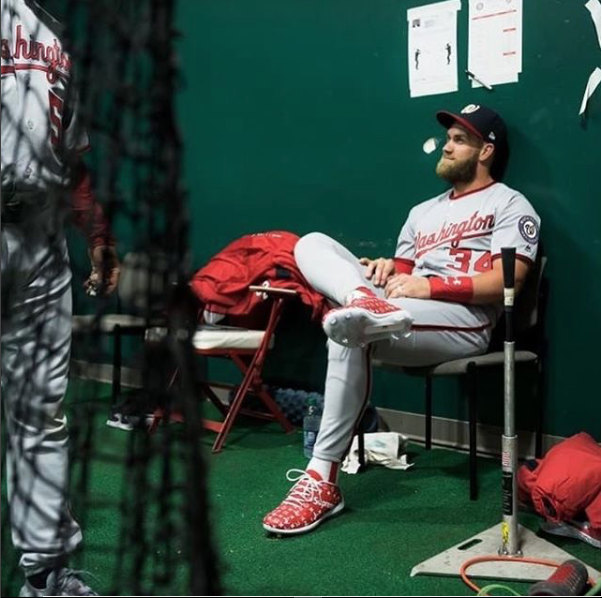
x=88 y=215
x=403 y=266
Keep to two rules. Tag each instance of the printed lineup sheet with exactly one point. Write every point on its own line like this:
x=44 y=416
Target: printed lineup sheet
x=495 y=41
x=432 y=48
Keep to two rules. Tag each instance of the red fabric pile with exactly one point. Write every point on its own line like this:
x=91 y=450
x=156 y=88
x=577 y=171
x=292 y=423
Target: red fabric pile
x=565 y=484
x=262 y=258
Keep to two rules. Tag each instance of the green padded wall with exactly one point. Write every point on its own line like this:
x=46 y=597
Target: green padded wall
x=296 y=115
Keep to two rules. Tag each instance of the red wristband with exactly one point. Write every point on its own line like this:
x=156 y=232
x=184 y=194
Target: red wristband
x=452 y=288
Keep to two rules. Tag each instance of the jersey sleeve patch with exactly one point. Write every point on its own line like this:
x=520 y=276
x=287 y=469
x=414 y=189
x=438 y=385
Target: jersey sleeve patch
x=529 y=229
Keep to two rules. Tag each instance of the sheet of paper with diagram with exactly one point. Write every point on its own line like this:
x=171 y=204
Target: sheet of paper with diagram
x=495 y=41
x=432 y=48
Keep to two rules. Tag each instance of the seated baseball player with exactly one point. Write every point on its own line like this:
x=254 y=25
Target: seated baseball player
x=436 y=300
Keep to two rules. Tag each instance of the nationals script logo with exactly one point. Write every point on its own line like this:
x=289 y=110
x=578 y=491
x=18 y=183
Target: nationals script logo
x=475 y=226
x=35 y=55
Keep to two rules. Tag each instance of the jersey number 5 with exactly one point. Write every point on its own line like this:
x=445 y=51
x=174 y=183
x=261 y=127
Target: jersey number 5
x=56 y=118
x=463 y=258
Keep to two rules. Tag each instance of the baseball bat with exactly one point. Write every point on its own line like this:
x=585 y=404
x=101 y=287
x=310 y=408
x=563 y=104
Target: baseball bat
x=510 y=541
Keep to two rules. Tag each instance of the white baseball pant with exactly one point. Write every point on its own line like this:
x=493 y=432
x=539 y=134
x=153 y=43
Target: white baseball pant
x=36 y=340
x=441 y=331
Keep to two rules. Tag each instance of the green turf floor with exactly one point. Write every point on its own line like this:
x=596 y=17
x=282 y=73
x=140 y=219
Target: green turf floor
x=393 y=520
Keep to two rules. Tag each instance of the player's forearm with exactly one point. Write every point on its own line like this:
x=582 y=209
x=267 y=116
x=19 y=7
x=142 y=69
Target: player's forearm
x=489 y=286
x=88 y=215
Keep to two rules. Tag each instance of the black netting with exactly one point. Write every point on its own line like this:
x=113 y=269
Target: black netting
x=107 y=69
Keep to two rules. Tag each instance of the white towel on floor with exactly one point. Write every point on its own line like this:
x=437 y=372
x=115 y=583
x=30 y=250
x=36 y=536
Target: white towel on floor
x=382 y=448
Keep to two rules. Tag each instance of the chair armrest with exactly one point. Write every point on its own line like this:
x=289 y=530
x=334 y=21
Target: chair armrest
x=274 y=291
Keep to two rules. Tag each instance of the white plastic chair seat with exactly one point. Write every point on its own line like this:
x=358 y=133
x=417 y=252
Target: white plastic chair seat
x=208 y=338
x=106 y=324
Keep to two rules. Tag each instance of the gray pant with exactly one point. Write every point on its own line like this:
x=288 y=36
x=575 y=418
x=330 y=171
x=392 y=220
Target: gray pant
x=442 y=331
x=36 y=340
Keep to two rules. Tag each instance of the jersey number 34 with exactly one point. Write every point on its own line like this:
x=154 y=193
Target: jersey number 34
x=463 y=257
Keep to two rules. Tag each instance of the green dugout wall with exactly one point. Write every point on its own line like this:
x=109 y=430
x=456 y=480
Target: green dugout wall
x=296 y=115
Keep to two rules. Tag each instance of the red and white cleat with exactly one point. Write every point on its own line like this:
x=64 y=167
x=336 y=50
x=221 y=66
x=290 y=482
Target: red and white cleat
x=309 y=502
x=366 y=319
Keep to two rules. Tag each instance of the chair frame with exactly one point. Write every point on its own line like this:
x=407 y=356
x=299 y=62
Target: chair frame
x=472 y=395
x=250 y=362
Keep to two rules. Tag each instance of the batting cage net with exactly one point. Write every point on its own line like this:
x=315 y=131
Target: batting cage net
x=91 y=498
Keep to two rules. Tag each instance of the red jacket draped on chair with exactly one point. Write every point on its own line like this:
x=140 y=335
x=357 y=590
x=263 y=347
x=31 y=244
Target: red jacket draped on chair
x=222 y=285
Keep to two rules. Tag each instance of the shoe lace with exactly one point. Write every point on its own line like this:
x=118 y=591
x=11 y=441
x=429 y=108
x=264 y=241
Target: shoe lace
x=306 y=490
x=70 y=583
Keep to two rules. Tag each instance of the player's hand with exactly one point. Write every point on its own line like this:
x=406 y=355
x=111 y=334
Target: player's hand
x=104 y=276
x=405 y=285
x=378 y=270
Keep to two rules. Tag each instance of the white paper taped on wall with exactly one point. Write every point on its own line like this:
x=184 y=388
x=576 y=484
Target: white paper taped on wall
x=432 y=48
x=495 y=46
x=592 y=85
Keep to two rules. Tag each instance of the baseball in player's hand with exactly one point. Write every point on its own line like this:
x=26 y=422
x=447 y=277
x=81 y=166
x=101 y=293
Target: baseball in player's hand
x=378 y=270
x=104 y=276
x=404 y=285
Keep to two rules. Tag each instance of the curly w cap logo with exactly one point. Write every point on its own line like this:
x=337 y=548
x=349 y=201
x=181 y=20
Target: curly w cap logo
x=469 y=109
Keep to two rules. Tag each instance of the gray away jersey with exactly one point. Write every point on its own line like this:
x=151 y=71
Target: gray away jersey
x=39 y=116
x=461 y=236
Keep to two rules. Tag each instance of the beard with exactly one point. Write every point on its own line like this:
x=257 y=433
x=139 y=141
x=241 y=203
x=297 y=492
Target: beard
x=457 y=171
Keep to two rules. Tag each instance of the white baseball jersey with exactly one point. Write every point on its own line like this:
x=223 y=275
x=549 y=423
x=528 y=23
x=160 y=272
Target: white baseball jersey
x=39 y=120
x=460 y=236
x=39 y=134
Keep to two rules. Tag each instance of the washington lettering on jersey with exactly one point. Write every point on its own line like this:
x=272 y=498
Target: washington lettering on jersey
x=50 y=57
x=41 y=128
x=447 y=235
x=455 y=231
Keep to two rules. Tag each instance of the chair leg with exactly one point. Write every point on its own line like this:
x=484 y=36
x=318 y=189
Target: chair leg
x=215 y=400
x=472 y=429
x=116 y=387
x=361 y=450
x=539 y=392
x=233 y=411
x=158 y=415
x=428 y=412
